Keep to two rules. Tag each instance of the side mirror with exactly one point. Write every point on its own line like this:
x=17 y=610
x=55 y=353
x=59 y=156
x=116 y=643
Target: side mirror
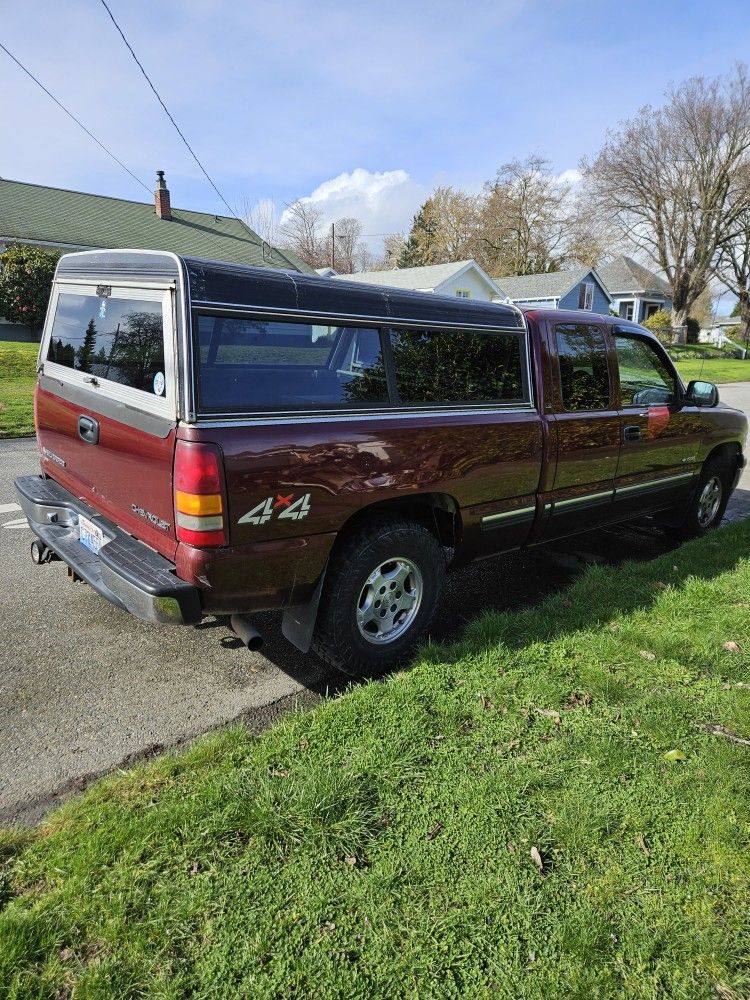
x=702 y=394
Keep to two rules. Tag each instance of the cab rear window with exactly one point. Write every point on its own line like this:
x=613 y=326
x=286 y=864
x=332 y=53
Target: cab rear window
x=120 y=339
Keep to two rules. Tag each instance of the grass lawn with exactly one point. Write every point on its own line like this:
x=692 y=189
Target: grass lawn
x=535 y=812
x=716 y=370
x=17 y=381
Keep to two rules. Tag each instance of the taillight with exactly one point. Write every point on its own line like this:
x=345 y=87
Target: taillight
x=198 y=503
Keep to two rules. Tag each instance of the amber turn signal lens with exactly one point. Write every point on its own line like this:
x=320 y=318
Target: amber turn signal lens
x=198 y=504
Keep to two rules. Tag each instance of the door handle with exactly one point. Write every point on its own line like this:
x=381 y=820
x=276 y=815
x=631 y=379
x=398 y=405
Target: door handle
x=88 y=429
x=632 y=432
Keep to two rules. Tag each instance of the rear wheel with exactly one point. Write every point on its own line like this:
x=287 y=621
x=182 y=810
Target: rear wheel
x=708 y=503
x=381 y=593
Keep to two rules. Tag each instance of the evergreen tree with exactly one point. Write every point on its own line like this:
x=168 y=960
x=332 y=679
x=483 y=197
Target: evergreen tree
x=86 y=350
x=419 y=248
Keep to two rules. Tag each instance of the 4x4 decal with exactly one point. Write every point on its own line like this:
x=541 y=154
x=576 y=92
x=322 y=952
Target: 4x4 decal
x=281 y=506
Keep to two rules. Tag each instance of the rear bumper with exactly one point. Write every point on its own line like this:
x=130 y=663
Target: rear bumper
x=125 y=571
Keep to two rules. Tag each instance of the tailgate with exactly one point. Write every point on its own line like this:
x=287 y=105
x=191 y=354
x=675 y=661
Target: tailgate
x=106 y=402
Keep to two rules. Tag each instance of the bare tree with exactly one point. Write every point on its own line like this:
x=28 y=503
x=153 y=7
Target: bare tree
x=345 y=251
x=301 y=231
x=262 y=217
x=524 y=219
x=669 y=175
x=444 y=229
x=733 y=269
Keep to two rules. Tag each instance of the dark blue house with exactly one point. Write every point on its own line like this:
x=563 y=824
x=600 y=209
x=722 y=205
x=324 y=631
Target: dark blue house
x=579 y=289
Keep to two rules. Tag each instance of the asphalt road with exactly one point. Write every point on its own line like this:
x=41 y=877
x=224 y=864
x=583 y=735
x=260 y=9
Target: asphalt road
x=85 y=688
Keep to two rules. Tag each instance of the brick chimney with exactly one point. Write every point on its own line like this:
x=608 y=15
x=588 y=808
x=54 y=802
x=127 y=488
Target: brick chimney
x=161 y=197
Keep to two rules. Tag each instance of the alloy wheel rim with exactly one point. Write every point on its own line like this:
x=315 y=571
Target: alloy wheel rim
x=389 y=601
x=709 y=501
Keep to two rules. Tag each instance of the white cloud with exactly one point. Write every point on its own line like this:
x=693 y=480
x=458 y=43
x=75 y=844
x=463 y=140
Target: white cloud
x=383 y=201
x=570 y=176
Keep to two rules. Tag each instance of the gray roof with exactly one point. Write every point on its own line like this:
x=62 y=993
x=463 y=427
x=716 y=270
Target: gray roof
x=551 y=285
x=411 y=277
x=32 y=212
x=624 y=276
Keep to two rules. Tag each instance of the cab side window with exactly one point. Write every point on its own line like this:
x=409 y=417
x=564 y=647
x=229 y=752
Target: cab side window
x=645 y=380
x=584 y=375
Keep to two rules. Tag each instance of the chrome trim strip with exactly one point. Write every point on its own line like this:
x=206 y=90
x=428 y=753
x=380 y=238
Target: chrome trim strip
x=503 y=515
x=201 y=305
x=316 y=418
x=586 y=498
x=654 y=483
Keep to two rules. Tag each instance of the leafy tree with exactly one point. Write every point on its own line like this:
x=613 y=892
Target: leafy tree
x=86 y=350
x=25 y=284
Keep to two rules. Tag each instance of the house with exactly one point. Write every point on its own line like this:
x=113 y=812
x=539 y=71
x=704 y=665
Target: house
x=579 y=289
x=72 y=220
x=464 y=278
x=637 y=293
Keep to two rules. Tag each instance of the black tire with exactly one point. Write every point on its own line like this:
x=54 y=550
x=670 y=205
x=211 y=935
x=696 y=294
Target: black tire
x=352 y=603
x=706 y=506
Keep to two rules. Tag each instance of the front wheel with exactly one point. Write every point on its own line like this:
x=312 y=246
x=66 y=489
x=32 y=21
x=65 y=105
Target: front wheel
x=380 y=595
x=708 y=503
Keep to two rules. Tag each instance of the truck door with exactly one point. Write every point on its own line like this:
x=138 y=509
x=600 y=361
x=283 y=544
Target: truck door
x=585 y=425
x=661 y=440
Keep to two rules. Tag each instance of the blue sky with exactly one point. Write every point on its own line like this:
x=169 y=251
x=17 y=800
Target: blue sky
x=364 y=107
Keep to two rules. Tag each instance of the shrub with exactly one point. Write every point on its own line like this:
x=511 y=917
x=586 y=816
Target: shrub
x=692 y=331
x=25 y=284
x=660 y=323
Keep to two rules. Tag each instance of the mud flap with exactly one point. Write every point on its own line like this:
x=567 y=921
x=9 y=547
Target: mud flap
x=298 y=621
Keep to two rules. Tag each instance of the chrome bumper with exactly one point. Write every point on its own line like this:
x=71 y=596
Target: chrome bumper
x=125 y=571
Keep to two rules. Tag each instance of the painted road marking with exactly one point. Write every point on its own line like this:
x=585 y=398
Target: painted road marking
x=6 y=508
x=20 y=523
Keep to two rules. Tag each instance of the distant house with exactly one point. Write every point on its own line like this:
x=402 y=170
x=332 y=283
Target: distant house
x=72 y=220
x=579 y=289
x=637 y=293
x=464 y=278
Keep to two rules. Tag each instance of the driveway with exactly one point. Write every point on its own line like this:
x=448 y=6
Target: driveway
x=85 y=688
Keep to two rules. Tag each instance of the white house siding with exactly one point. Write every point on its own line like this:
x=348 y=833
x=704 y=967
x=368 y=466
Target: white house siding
x=536 y=303
x=479 y=289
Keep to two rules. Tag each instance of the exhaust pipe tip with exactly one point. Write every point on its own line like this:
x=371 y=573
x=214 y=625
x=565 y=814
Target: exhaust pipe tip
x=41 y=553
x=246 y=632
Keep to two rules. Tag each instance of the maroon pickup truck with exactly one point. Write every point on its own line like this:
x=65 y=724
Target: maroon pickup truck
x=219 y=440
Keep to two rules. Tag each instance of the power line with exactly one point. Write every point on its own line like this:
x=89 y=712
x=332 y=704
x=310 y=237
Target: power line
x=166 y=109
x=180 y=132
x=73 y=117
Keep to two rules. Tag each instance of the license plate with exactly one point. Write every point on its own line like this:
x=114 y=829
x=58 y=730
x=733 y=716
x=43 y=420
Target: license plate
x=90 y=535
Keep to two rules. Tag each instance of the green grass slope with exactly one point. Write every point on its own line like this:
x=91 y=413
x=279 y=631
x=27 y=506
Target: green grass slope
x=538 y=811
x=17 y=381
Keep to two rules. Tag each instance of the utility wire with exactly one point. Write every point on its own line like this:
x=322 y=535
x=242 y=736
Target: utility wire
x=179 y=131
x=73 y=117
x=166 y=109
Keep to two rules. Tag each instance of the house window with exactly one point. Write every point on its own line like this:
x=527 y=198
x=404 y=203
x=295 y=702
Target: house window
x=629 y=311
x=463 y=293
x=586 y=295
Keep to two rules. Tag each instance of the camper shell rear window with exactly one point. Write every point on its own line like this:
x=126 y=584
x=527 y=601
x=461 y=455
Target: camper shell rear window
x=113 y=338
